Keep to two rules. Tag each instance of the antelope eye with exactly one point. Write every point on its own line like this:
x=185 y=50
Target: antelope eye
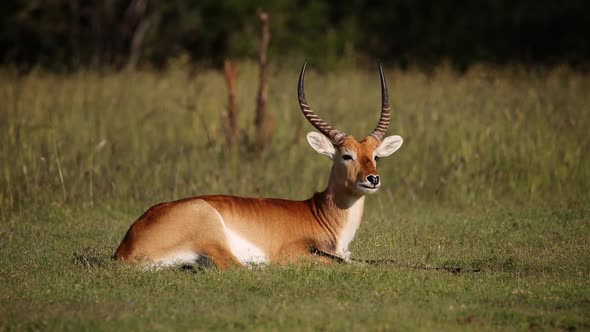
x=346 y=157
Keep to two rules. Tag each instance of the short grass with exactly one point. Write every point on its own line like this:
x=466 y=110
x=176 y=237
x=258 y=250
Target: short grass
x=493 y=176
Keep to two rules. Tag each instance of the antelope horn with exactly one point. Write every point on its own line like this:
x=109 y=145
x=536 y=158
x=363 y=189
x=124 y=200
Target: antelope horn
x=381 y=129
x=333 y=134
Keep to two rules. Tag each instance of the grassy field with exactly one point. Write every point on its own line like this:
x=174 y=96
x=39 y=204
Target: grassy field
x=494 y=176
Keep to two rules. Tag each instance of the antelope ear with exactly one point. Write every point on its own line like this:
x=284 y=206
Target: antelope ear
x=389 y=145
x=321 y=144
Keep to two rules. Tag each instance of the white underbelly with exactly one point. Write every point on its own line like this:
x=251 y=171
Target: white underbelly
x=177 y=259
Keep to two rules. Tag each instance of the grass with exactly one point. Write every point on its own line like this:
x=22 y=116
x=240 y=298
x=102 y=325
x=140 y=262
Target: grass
x=493 y=176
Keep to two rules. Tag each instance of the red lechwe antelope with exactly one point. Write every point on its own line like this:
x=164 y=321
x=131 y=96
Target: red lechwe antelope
x=233 y=231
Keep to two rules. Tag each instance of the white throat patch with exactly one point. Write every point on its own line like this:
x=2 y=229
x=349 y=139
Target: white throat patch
x=355 y=214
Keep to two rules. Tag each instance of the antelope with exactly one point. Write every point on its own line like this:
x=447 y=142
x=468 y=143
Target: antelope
x=240 y=231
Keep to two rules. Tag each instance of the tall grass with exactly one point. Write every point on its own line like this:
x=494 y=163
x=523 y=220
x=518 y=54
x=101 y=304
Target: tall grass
x=488 y=136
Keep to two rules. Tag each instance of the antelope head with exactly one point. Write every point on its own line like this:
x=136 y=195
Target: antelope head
x=354 y=169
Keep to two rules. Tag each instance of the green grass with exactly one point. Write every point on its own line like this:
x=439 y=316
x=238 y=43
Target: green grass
x=493 y=176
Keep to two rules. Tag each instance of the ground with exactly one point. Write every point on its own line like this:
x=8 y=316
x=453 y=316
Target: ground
x=493 y=177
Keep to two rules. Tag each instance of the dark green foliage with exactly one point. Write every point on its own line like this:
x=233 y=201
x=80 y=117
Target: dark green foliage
x=65 y=33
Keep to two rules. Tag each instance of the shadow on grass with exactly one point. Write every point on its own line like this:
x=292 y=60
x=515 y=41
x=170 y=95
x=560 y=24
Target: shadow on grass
x=90 y=257
x=452 y=268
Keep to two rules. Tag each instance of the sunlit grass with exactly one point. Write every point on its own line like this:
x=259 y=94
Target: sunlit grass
x=493 y=175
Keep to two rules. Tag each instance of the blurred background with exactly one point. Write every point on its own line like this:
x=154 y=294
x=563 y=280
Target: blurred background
x=62 y=34
x=130 y=102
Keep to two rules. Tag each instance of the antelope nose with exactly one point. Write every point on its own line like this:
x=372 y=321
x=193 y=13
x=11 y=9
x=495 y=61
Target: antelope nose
x=374 y=179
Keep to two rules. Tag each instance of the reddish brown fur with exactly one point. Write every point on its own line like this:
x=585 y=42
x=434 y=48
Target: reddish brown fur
x=347 y=175
x=284 y=229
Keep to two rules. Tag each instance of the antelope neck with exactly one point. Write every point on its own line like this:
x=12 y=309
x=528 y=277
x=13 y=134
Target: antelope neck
x=338 y=214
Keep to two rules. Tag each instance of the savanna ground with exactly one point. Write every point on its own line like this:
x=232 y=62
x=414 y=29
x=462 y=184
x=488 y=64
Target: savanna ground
x=494 y=176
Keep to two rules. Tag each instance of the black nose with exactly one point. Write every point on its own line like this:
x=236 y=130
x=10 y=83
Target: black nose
x=374 y=179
